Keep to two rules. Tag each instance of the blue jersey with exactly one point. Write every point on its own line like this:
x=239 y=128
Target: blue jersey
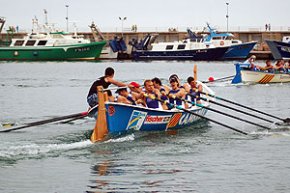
x=176 y=100
x=152 y=103
x=194 y=95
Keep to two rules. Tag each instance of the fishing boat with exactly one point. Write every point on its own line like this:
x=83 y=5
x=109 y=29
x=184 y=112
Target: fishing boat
x=237 y=49
x=245 y=75
x=280 y=49
x=50 y=45
x=177 y=50
x=121 y=118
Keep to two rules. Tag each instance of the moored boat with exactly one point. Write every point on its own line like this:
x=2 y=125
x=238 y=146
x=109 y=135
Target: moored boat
x=177 y=50
x=237 y=49
x=121 y=118
x=50 y=45
x=245 y=75
x=280 y=49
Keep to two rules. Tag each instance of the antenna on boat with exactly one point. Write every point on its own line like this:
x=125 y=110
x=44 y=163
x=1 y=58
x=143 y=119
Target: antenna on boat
x=45 y=17
x=2 y=22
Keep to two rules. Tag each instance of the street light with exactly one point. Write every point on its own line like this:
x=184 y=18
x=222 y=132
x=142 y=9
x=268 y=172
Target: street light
x=227 y=16
x=122 y=20
x=66 y=17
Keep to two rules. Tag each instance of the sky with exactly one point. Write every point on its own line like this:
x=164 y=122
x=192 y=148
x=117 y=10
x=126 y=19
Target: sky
x=147 y=13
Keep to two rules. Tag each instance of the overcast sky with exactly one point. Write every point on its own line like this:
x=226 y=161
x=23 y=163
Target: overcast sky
x=147 y=13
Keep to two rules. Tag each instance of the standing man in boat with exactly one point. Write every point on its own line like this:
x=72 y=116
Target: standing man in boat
x=104 y=81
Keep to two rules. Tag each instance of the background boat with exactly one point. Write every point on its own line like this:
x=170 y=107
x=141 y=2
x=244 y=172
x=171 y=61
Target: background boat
x=178 y=50
x=244 y=75
x=280 y=49
x=237 y=49
x=50 y=45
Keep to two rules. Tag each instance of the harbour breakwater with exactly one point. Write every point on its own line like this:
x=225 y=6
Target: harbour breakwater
x=261 y=49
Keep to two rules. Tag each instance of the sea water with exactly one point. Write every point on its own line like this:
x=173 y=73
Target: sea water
x=201 y=158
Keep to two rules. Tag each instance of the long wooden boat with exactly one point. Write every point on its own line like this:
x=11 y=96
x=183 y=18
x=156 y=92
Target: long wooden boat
x=245 y=75
x=121 y=118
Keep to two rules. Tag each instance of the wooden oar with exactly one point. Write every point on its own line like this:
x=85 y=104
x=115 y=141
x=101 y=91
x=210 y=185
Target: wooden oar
x=238 y=110
x=287 y=120
x=218 y=79
x=198 y=115
x=226 y=114
x=56 y=119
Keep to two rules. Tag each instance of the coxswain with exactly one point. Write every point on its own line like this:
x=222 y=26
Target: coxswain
x=104 y=81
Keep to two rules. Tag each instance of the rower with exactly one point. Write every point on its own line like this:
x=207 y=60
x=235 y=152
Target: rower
x=151 y=96
x=194 y=91
x=163 y=89
x=269 y=67
x=177 y=92
x=125 y=97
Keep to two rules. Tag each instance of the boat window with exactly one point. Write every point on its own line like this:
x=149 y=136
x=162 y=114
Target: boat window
x=217 y=38
x=42 y=42
x=30 y=43
x=235 y=42
x=19 y=43
x=181 y=46
x=169 y=47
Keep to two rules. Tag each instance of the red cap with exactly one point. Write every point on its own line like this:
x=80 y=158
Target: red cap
x=135 y=84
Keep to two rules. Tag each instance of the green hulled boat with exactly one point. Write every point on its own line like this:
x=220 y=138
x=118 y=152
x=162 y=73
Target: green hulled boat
x=51 y=46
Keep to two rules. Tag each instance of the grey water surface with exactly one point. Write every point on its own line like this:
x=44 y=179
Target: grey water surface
x=202 y=158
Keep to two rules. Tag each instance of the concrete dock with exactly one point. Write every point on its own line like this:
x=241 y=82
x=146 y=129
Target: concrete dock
x=261 y=50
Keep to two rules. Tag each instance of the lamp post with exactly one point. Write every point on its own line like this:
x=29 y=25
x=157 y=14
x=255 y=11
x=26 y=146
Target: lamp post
x=122 y=20
x=66 y=17
x=227 y=16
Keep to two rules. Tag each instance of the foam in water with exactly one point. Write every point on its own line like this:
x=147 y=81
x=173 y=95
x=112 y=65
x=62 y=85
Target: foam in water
x=36 y=149
x=121 y=139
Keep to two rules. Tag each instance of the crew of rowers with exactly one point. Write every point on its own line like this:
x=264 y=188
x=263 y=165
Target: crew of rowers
x=280 y=67
x=152 y=95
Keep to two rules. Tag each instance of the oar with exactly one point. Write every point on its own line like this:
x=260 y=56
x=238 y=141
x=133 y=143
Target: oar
x=218 y=79
x=238 y=110
x=198 y=115
x=287 y=120
x=226 y=114
x=32 y=124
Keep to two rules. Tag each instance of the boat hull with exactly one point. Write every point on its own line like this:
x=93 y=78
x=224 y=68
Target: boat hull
x=239 y=51
x=279 y=50
x=122 y=118
x=197 y=54
x=71 y=52
x=263 y=77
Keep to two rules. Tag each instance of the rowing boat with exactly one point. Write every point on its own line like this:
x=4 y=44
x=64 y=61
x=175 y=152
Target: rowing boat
x=121 y=118
x=245 y=75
